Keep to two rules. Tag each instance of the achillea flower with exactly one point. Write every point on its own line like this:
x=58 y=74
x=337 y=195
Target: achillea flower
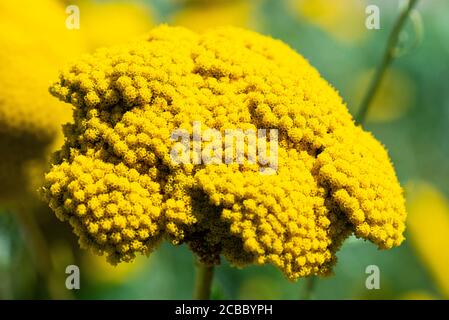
x=200 y=15
x=107 y=23
x=100 y=271
x=115 y=183
x=418 y=295
x=429 y=227
x=33 y=41
x=344 y=19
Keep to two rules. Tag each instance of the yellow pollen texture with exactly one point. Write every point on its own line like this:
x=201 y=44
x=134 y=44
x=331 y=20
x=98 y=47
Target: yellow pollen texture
x=116 y=184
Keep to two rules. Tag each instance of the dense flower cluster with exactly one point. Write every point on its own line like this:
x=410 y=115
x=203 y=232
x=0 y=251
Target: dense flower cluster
x=35 y=42
x=115 y=183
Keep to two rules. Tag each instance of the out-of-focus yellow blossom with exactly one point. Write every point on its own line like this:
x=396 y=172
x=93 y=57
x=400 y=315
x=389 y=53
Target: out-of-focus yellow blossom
x=393 y=98
x=99 y=270
x=260 y=288
x=34 y=40
x=107 y=23
x=202 y=15
x=116 y=184
x=429 y=229
x=417 y=295
x=343 y=19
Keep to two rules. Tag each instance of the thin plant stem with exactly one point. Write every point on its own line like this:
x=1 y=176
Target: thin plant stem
x=310 y=285
x=36 y=244
x=388 y=56
x=204 y=277
x=34 y=239
x=40 y=252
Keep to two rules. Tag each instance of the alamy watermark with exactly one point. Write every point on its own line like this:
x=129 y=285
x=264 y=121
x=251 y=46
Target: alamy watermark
x=72 y=282
x=373 y=17
x=211 y=146
x=72 y=22
x=373 y=280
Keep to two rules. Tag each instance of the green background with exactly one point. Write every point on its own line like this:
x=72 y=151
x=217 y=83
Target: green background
x=417 y=141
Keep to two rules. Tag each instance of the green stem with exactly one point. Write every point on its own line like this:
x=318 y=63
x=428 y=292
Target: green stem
x=203 y=283
x=35 y=240
x=40 y=252
x=387 y=58
x=310 y=285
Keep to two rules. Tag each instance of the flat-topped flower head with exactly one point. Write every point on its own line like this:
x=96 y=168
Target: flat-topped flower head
x=116 y=184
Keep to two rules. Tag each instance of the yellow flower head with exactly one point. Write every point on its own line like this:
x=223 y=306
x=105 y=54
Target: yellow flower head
x=343 y=19
x=429 y=227
x=107 y=23
x=116 y=184
x=202 y=15
x=33 y=41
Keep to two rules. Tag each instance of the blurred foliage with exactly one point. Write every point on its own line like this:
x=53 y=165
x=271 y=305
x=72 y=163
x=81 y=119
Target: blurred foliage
x=410 y=116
